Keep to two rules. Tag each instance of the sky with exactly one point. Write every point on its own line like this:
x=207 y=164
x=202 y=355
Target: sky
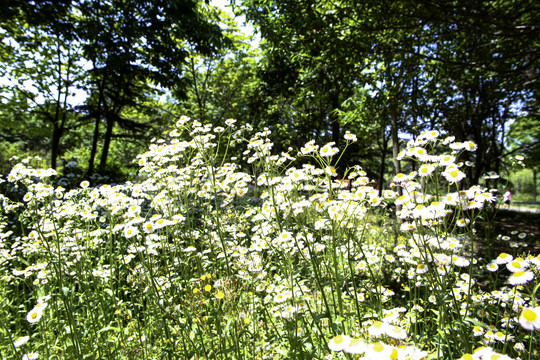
x=226 y=6
x=247 y=29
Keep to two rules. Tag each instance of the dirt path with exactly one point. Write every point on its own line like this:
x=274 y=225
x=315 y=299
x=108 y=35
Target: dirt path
x=518 y=220
x=519 y=209
x=512 y=222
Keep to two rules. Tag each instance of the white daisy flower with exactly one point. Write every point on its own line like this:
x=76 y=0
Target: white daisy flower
x=453 y=175
x=426 y=169
x=396 y=332
x=148 y=227
x=378 y=328
x=521 y=277
x=503 y=258
x=517 y=265
x=399 y=178
x=478 y=331
x=530 y=318
x=30 y=356
x=492 y=267
x=338 y=343
x=130 y=231
x=451 y=199
x=34 y=315
x=421 y=269
x=469 y=146
x=381 y=351
x=446 y=160
x=355 y=347
x=328 y=150
x=21 y=341
x=349 y=136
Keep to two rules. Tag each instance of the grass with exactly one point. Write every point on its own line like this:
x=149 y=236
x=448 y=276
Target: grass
x=527 y=205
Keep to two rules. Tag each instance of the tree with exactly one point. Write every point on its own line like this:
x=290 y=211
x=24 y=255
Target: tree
x=42 y=65
x=221 y=86
x=131 y=44
x=306 y=71
x=525 y=140
x=453 y=65
x=132 y=48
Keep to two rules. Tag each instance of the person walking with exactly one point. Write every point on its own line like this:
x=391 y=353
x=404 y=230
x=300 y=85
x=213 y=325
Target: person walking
x=507 y=197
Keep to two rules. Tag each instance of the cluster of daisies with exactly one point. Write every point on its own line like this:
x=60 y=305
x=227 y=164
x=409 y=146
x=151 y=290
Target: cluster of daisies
x=301 y=245
x=374 y=351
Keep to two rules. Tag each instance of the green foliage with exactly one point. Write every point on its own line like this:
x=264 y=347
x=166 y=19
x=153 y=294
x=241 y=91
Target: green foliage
x=383 y=70
x=525 y=140
x=221 y=86
x=423 y=66
x=523 y=185
x=114 y=54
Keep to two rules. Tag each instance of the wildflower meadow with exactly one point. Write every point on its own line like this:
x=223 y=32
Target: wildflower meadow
x=269 y=256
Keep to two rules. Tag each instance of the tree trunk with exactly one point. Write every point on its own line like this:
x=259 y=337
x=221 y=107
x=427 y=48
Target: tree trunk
x=534 y=185
x=99 y=115
x=393 y=108
x=93 y=151
x=334 y=118
x=395 y=145
x=106 y=145
x=384 y=150
x=55 y=144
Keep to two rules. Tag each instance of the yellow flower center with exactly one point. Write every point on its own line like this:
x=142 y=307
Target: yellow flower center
x=378 y=347
x=338 y=339
x=454 y=174
x=529 y=315
x=394 y=354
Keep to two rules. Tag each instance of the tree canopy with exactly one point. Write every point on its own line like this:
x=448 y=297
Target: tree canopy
x=119 y=53
x=384 y=70
x=459 y=66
